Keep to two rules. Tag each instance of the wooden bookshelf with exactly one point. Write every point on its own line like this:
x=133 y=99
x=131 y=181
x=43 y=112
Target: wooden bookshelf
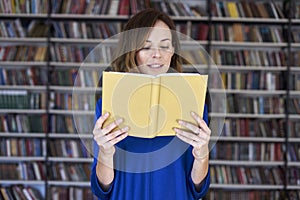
x=257 y=54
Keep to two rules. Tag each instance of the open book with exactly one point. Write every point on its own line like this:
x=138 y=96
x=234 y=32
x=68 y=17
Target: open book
x=150 y=105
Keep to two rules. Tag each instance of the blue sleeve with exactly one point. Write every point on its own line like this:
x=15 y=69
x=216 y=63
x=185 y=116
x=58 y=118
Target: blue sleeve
x=206 y=181
x=95 y=186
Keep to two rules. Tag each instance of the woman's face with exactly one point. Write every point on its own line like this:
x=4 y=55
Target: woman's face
x=155 y=56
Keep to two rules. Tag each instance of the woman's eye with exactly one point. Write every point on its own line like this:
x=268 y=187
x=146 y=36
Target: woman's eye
x=146 y=48
x=164 y=47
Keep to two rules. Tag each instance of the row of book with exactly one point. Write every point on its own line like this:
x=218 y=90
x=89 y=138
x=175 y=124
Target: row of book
x=81 y=124
x=20 y=192
x=23 y=53
x=28 y=7
x=235 y=32
x=63 y=124
x=238 y=32
x=23 y=76
x=248 y=57
x=126 y=7
x=75 y=77
x=225 y=174
x=75 y=29
x=23 y=123
x=253 y=80
x=12 y=28
x=255 y=105
x=294 y=175
x=71 y=193
x=64 y=53
x=25 y=147
x=69 y=171
x=23 y=171
x=37 y=171
x=84 y=30
x=293 y=152
x=75 y=101
x=249 y=9
x=67 y=148
x=294 y=106
x=37 y=123
x=247 y=127
x=18 y=28
x=22 y=99
x=32 y=170
x=248 y=151
x=227 y=194
x=295 y=81
x=294 y=128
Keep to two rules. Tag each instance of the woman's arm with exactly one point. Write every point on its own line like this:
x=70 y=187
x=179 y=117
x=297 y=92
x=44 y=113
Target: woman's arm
x=197 y=135
x=200 y=168
x=106 y=138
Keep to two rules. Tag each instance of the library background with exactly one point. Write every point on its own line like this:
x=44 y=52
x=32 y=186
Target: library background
x=254 y=43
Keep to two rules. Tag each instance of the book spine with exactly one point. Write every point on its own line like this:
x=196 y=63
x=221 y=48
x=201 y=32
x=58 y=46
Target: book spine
x=154 y=108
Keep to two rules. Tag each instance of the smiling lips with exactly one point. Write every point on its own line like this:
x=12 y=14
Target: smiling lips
x=155 y=65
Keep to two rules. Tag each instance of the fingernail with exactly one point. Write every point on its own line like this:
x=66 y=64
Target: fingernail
x=180 y=122
x=106 y=114
x=119 y=121
x=126 y=128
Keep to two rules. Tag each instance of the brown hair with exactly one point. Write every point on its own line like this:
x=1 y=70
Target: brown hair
x=125 y=61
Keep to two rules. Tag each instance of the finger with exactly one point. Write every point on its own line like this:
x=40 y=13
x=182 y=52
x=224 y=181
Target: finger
x=101 y=120
x=112 y=126
x=201 y=123
x=187 y=134
x=190 y=126
x=102 y=139
x=116 y=133
x=115 y=140
x=190 y=141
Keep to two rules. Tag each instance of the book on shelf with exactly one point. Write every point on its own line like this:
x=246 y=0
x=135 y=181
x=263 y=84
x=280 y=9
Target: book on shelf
x=232 y=9
x=150 y=105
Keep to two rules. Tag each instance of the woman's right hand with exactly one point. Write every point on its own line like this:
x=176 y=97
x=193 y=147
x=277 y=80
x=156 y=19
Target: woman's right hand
x=107 y=137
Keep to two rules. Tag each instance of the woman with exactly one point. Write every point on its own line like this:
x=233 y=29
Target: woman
x=187 y=177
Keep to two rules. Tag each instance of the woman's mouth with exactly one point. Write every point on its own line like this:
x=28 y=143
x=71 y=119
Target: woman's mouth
x=155 y=65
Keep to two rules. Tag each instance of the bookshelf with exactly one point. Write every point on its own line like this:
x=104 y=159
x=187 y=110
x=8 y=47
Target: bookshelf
x=42 y=46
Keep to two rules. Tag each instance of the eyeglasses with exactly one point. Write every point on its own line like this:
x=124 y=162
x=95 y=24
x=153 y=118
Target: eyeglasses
x=162 y=47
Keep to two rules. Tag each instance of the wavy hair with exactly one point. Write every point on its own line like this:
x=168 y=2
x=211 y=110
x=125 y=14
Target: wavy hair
x=130 y=41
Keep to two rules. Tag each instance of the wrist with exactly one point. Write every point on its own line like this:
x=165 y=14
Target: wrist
x=200 y=154
x=106 y=154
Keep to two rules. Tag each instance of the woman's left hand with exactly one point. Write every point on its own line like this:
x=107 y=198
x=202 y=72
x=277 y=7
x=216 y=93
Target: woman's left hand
x=197 y=135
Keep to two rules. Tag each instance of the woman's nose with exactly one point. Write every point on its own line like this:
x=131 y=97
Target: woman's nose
x=156 y=52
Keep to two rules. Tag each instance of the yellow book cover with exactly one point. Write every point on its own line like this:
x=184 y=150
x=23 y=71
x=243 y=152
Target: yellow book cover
x=233 y=10
x=151 y=105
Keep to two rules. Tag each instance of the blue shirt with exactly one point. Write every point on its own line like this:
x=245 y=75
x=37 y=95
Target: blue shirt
x=150 y=169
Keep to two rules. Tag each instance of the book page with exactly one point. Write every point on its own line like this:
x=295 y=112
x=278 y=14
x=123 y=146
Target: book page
x=127 y=97
x=179 y=95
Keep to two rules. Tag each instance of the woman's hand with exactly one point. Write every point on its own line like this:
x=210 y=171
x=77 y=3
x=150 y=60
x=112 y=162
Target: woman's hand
x=197 y=135
x=107 y=137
